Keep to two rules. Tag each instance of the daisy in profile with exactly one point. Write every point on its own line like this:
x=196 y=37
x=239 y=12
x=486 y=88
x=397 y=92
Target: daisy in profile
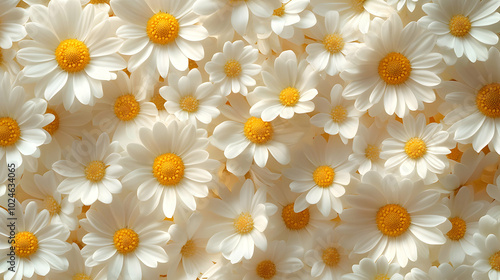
x=12 y=20
x=416 y=149
x=39 y=246
x=233 y=68
x=70 y=56
x=464 y=26
x=289 y=89
x=240 y=219
x=393 y=218
x=91 y=170
x=395 y=72
x=369 y=269
x=366 y=148
x=159 y=34
x=190 y=99
x=443 y=272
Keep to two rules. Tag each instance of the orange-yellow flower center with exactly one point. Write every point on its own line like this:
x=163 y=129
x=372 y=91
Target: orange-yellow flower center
x=266 y=269
x=162 y=28
x=289 y=96
x=189 y=249
x=488 y=100
x=232 y=68
x=339 y=114
x=393 y=220
x=280 y=11
x=257 y=130
x=9 y=131
x=95 y=171
x=51 y=205
x=81 y=276
x=295 y=221
x=72 y=55
x=495 y=261
x=323 y=176
x=331 y=257
x=415 y=148
x=382 y=277
x=460 y=25
x=394 y=69
x=189 y=103
x=168 y=169
x=99 y=1
x=126 y=240
x=52 y=127
x=243 y=224
x=159 y=101
x=25 y=244
x=458 y=229
x=372 y=152
x=334 y=43
x=126 y=107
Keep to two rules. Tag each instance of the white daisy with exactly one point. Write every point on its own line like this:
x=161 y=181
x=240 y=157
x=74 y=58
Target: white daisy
x=366 y=148
x=72 y=51
x=12 y=20
x=159 y=34
x=487 y=265
x=416 y=149
x=292 y=16
x=464 y=26
x=379 y=269
x=91 y=170
x=442 y=272
x=233 y=68
x=241 y=217
x=77 y=269
x=395 y=72
x=393 y=218
x=7 y=62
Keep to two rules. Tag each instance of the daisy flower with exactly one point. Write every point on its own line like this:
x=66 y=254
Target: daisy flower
x=393 y=218
x=170 y=165
x=126 y=242
x=12 y=20
x=369 y=269
x=366 y=148
x=77 y=269
x=442 y=272
x=291 y=15
x=159 y=34
x=38 y=245
x=289 y=90
x=416 y=149
x=91 y=170
x=464 y=26
x=395 y=72
x=7 y=62
x=233 y=68
x=320 y=174
x=487 y=265
x=241 y=217
x=337 y=115
x=277 y=262
x=190 y=99
x=72 y=51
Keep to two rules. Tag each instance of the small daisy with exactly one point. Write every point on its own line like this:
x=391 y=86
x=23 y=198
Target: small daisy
x=442 y=272
x=337 y=115
x=91 y=170
x=292 y=16
x=464 y=26
x=159 y=34
x=395 y=72
x=320 y=174
x=190 y=99
x=77 y=269
x=393 y=219
x=233 y=68
x=12 y=20
x=241 y=217
x=379 y=269
x=289 y=90
x=416 y=149
x=72 y=51
x=366 y=148
x=487 y=265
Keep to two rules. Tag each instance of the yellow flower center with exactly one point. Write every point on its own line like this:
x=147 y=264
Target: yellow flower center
x=99 y=2
x=295 y=221
x=189 y=103
x=51 y=205
x=52 y=127
x=331 y=257
x=9 y=131
x=358 y=5
x=323 y=176
x=159 y=101
x=495 y=261
x=415 y=148
x=488 y=100
x=243 y=224
x=458 y=229
x=372 y=152
x=95 y=171
x=257 y=130
x=125 y=240
x=25 y=244
x=339 y=114
x=189 y=249
x=266 y=269
x=394 y=69
x=232 y=68
x=126 y=107
x=334 y=43
x=460 y=25
x=289 y=96
x=382 y=277
x=162 y=28
x=81 y=276
x=280 y=11
x=72 y=55
x=393 y=220
x=168 y=169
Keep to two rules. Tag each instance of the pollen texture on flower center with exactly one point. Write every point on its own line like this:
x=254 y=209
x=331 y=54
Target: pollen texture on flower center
x=25 y=244
x=188 y=249
x=382 y=277
x=394 y=69
x=232 y=68
x=372 y=152
x=295 y=221
x=95 y=171
x=52 y=127
x=243 y=224
x=495 y=261
x=189 y=103
x=126 y=240
x=126 y=107
x=323 y=176
x=266 y=269
x=51 y=205
x=458 y=229
x=339 y=114
x=168 y=169
x=488 y=100
x=393 y=220
x=72 y=55
x=99 y=2
x=460 y=25
x=162 y=28
x=415 y=148
x=159 y=101
x=81 y=276
x=334 y=43
x=289 y=96
x=257 y=130
x=280 y=11
x=331 y=257
x=9 y=131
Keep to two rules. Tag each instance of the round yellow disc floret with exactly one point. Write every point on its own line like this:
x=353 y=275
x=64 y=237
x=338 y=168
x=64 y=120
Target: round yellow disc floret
x=289 y=96
x=51 y=205
x=72 y=55
x=52 y=127
x=9 y=131
x=331 y=257
x=168 y=169
x=188 y=249
x=382 y=277
x=243 y=224
x=189 y=103
x=372 y=152
x=495 y=261
x=280 y=11
x=125 y=240
x=323 y=176
x=460 y=25
x=81 y=276
x=339 y=114
x=295 y=221
x=266 y=269
x=232 y=68
x=95 y=171
x=333 y=43
x=458 y=229
x=415 y=148
x=162 y=28
x=394 y=69
x=393 y=220
x=257 y=130
x=126 y=107
x=25 y=244
x=488 y=100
